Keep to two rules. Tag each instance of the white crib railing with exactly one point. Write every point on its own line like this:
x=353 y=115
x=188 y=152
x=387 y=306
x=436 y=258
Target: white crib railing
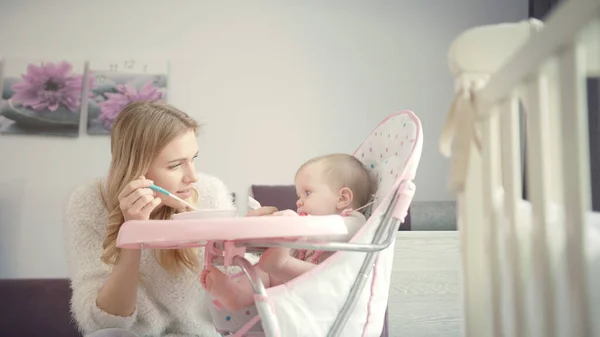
x=525 y=263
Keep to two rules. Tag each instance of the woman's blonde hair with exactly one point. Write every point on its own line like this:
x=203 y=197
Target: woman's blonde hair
x=138 y=135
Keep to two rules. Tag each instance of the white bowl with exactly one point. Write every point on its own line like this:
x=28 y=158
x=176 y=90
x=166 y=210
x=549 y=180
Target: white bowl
x=206 y=214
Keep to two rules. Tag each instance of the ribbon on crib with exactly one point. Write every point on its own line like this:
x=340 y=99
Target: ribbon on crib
x=459 y=132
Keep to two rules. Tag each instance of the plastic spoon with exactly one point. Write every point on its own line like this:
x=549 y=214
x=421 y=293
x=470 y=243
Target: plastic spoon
x=165 y=192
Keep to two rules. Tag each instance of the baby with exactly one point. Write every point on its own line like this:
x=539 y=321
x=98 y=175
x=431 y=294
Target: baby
x=330 y=184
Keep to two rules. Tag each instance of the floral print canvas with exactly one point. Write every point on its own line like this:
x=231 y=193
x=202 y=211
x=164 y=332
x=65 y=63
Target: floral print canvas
x=41 y=97
x=118 y=83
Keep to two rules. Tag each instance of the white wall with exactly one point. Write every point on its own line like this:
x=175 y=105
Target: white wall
x=272 y=80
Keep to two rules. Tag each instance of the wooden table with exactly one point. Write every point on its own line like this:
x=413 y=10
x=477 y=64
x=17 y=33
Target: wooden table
x=425 y=291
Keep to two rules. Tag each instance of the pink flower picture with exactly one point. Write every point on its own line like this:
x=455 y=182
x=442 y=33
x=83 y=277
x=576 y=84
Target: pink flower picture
x=126 y=93
x=117 y=84
x=42 y=97
x=49 y=85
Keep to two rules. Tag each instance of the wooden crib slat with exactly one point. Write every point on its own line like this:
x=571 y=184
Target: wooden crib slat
x=491 y=184
x=512 y=183
x=553 y=99
x=556 y=192
x=474 y=278
x=591 y=36
x=576 y=178
x=538 y=178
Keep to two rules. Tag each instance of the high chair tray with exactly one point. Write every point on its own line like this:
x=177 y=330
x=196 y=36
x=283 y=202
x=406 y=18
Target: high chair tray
x=172 y=234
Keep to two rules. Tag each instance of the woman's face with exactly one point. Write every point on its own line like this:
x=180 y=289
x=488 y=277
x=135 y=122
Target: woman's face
x=174 y=170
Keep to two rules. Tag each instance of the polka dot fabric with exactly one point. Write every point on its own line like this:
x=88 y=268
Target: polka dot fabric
x=230 y=321
x=387 y=152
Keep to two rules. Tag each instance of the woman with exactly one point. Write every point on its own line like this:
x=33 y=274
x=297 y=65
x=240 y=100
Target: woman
x=149 y=292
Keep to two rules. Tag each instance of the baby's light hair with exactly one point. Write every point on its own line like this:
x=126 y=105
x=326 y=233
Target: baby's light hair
x=344 y=170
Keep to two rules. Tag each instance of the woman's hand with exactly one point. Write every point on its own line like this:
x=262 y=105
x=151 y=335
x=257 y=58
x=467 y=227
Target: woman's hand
x=118 y=296
x=137 y=201
x=265 y=210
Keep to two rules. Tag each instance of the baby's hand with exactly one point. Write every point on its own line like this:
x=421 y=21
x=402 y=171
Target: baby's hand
x=264 y=210
x=287 y=212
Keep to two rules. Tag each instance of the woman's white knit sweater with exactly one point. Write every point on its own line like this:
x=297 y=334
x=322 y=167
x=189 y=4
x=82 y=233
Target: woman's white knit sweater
x=166 y=305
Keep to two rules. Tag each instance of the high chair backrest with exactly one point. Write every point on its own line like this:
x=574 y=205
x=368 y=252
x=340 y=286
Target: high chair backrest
x=392 y=153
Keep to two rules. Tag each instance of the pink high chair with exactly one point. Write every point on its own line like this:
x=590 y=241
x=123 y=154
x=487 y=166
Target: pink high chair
x=347 y=294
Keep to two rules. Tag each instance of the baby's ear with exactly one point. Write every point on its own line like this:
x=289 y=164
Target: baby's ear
x=345 y=198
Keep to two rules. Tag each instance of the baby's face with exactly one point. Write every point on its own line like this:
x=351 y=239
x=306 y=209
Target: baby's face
x=315 y=197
